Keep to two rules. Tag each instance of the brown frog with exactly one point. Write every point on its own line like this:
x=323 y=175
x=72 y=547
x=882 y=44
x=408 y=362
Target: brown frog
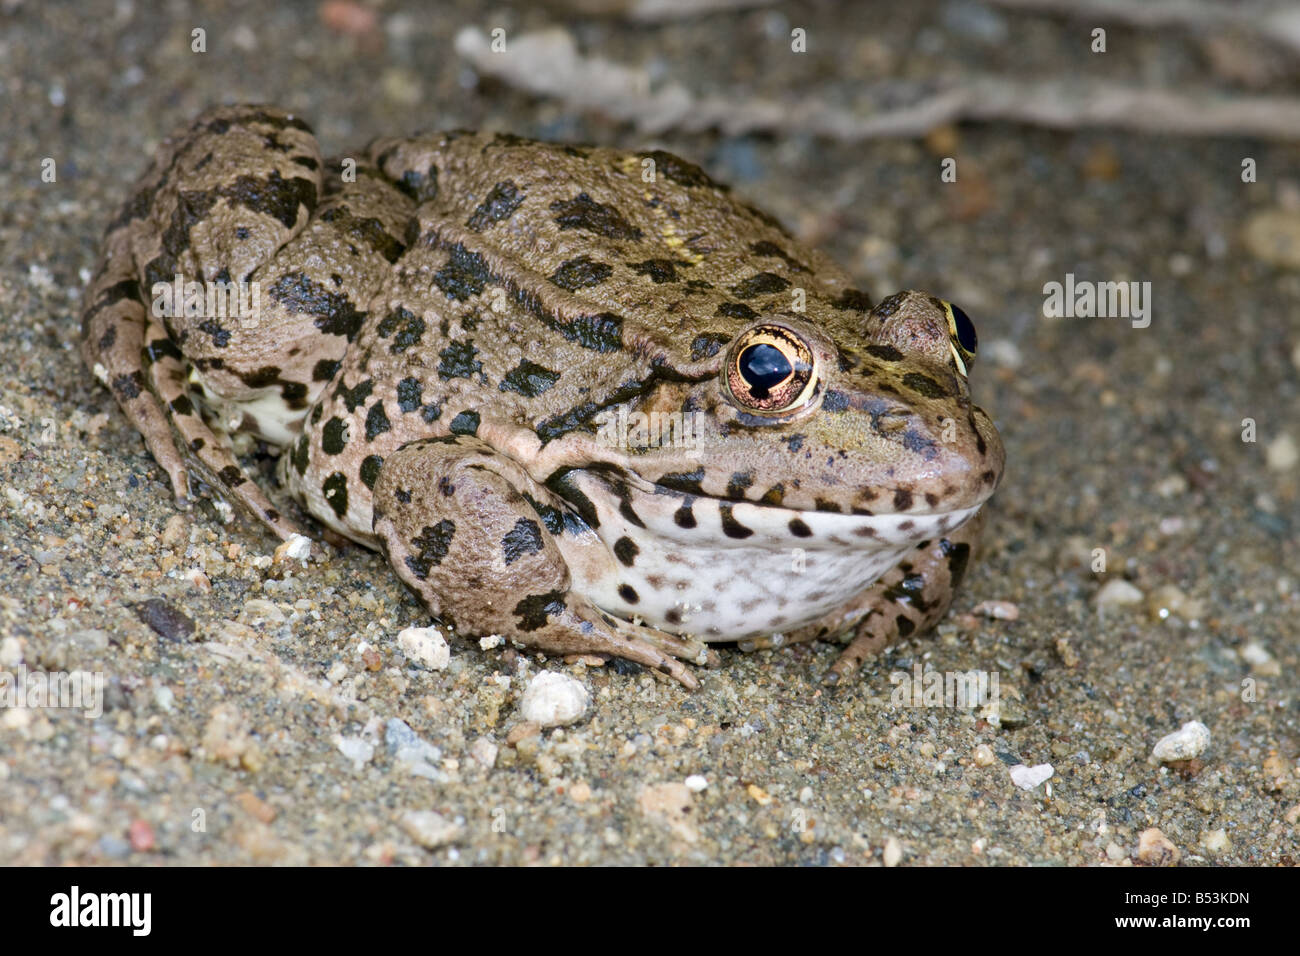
x=582 y=398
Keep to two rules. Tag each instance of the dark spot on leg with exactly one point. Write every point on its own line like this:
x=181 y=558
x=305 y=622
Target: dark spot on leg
x=335 y=489
x=534 y=610
x=524 y=538
x=432 y=544
x=799 y=529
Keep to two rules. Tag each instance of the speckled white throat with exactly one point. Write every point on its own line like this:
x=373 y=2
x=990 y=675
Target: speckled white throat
x=719 y=586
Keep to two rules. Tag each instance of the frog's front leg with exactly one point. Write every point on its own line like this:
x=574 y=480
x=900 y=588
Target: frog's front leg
x=473 y=535
x=910 y=597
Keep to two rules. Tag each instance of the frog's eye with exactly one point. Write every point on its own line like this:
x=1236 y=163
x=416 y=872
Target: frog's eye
x=770 y=370
x=962 y=338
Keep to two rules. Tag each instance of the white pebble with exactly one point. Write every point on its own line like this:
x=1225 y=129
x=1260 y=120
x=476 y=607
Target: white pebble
x=1282 y=453
x=338 y=670
x=297 y=548
x=484 y=751
x=430 y=830
x=356 y=749
x=554 y=700
x=1027 y=778
x=696 y=783
x=425 y=645
x=893 y=852
x=11 y=652
x=1117 y=593
x=491 y=641
x=1188 y=741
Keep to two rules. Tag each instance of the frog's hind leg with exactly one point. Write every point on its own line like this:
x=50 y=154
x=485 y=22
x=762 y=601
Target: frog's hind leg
x=112 y=344
x=208 y=452
x=473 y=536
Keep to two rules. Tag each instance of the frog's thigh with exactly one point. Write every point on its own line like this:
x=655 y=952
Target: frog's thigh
x=112 y=337
x=912 y=596
x=452 y=518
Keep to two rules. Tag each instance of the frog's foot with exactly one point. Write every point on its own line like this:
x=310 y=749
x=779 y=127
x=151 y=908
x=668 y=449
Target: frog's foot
x=911 y=597
x=474 y=537
x=208 y=452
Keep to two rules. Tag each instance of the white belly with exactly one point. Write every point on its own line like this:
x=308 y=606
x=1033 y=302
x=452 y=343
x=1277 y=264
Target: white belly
x=717 y=587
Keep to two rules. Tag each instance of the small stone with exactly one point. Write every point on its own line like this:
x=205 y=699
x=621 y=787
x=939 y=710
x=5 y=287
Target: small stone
x=554 y=700
x=297 y=548
x=356 y=749
x=1027 y=778
x=1114 y=851
x=1273 y=235
x=1260 y=660
x=998 y=610
x=1168 y=599
x=115 y=848
x=759 y=795
x=141 y=836
x=412 y=753
x=173 y=532
x=255 y=806
x=580 y=792
x=1281 y=453
x=522 y=731
x=1066 y=652
x=226 y=737
x=491 y=641
x=1117 y=593
x=1011 y=714
x=669 y=804
x=1188 y=741
x=695 y=783
x=425 y=646
x=260 y=609
x=11 y=652
x=484 y=751
x=893 y=852
x=429 y=829
x=1155 y=849
x=1215 y=842
x=166 y=621
x=983 y=756
x=338 y=670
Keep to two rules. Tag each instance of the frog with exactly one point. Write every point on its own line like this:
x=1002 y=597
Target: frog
x=583 y=398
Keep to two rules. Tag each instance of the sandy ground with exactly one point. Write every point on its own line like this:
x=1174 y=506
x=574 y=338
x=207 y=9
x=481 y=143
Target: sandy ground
x=289 y=726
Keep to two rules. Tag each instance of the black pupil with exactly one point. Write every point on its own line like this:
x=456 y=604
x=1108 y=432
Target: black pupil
x=764 y=367
x=966 y=337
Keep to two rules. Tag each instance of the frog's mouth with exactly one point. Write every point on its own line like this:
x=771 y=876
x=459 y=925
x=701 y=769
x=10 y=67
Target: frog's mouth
x=662 y=513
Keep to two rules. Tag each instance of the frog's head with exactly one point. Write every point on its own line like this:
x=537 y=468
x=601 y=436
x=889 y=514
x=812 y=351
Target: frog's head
x=857 y=416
